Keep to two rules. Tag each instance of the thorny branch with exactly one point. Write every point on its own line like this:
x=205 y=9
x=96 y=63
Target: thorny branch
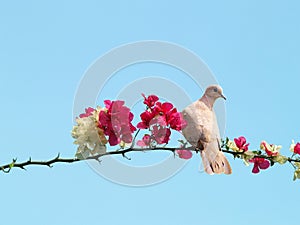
x=14 y=164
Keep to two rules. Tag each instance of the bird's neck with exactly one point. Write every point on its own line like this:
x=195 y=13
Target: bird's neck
x=208 y=101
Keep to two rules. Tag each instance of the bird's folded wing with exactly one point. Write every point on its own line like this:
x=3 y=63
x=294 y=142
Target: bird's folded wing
x=199 y=123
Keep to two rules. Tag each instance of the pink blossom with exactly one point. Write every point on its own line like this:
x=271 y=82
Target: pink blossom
x=241 y=143
x=160 y=118
x=107 y=103
x=161 y=134
x=177 y=122
x=163 y=108
x=297 y=148
x=184 y=154
x=259 y=163
x=146 y=117
x=270 y=149
x=145 y=142
x=116 y=122
x=150 y=100
x=163 y=114
x=88 y=112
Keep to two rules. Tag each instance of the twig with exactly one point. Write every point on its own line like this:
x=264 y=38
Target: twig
x=134 y=138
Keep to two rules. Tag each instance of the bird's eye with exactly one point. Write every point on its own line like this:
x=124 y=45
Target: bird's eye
x=215 y=90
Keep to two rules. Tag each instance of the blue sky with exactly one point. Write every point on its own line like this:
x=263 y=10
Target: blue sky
x=253 y=49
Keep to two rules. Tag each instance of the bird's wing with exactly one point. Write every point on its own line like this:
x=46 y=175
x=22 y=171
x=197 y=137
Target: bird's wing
x=198 y=118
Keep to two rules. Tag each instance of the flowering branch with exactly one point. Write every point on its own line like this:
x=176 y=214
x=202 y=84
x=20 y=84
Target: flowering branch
x=269 y=154
x=236 y=154
x=112 y=125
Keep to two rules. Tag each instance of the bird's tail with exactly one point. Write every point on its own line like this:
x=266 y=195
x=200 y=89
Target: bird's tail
x=215 y=162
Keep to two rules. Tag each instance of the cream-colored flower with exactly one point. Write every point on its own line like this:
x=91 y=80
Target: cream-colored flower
x=231 y=145
x=89 y=138
x=248 y=155
x=292 y=146
x=280 y=159
x=271 y=150
x=297 y=164
x=297 y=174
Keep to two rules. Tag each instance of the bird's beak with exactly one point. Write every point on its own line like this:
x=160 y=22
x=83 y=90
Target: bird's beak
x=223 y=97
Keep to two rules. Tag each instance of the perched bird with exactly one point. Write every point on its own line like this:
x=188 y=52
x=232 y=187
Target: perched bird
x=203 y=133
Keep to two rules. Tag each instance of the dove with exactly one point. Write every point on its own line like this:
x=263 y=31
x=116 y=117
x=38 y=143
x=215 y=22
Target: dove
x=202 y=131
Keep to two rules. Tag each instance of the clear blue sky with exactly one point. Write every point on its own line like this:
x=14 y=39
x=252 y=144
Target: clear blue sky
x=253 y=49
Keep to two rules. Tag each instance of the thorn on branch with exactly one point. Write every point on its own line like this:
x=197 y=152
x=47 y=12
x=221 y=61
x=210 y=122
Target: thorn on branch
x=49 y=165
x=22 y=167
x=98 y=159
x=126 y=157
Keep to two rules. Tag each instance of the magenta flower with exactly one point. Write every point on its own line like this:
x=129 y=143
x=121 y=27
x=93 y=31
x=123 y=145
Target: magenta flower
x=259 y=163
x=116 y=122
x=176 y=121
x=163 y=108
x=160 y=118
x=184 y=154
x=163 y=114
x=161 y=134
x=88 y=112
x=147 y=119
x=107 y=103
x=145 y=142
x=297 y=148
x=150 y=100
x=240 y=142
x=270 y=149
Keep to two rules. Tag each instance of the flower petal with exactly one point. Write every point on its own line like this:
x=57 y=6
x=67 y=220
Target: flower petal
x=107 y=104
x=184 y=154
x=264 y=165
x=255 y=169
x=167 y=106
x=297 y=148
x=141 y=143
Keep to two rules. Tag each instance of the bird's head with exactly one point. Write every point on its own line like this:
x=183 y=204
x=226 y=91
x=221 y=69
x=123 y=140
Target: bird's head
x=214 y=92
